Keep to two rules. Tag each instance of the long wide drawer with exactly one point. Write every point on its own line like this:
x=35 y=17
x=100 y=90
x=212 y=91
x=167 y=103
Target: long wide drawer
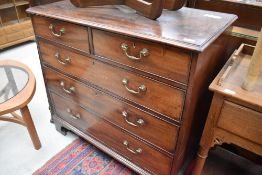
x=65 y=33
x=143 y=125
x=157 y=59
x=241 y=121
x=158 y=97
x=133 y=149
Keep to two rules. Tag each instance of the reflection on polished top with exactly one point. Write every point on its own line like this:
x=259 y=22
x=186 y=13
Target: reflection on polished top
x=13 y=80
x=187 y=28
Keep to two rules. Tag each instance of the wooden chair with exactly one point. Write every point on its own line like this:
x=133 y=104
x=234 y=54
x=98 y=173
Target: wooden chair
x=19 y=98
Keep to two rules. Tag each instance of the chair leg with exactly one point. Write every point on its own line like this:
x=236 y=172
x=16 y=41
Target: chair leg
x=30 y=127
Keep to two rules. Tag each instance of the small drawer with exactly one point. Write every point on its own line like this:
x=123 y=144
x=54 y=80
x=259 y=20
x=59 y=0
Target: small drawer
x=134 y=150
x=65 y=33
x=166 y=62
x=141 y=124
x=241 y=121
x=161 y=98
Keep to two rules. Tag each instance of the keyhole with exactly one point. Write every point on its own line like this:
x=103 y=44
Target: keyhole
x=134 y=45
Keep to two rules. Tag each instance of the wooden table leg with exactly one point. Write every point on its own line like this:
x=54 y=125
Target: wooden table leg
x=202 y=155
x=30 y=127
x=209 y=138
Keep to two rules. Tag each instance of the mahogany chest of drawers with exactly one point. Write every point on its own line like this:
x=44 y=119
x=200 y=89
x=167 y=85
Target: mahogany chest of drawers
x=131 y=86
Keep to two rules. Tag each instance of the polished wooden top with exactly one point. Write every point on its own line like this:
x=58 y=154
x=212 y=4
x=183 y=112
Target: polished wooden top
x=186 y=28
x=230 y=79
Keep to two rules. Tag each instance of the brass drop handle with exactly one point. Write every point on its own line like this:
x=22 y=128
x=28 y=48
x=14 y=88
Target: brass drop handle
x=139 y=121
x=74 y=116
x=143 y=53
x=135 y=151
x=68 y=91
x=61 y=61
x=141 y=88
x=53 y=31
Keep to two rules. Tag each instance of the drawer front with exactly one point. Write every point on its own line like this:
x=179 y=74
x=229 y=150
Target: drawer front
x=158 y=97
x=143 y=125
x=160 y=60
x=74 y=36
x=241 y=121
x=139 y=153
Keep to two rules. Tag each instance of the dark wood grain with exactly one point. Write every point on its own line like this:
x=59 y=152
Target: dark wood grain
x=151 y=9
x=74 y=36
x=188 y=47
x=187 y=28
x=169 y=4
x=168 y=62
x=41 y=2
x=83 y=3
x=153 y=130
x=113 y=137
x=198 y=98
x=170 y=103
x=174 y=4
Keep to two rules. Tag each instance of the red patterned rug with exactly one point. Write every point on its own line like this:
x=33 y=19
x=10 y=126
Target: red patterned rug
x=82 y=158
